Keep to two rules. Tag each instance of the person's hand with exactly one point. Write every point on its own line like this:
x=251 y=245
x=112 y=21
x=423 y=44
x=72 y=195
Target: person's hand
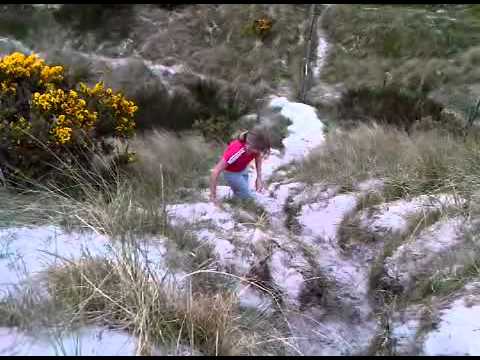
x=259 y=185
x=215 y=201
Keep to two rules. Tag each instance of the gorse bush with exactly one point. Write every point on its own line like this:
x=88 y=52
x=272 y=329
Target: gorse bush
x=45 y=122
x=260 y=27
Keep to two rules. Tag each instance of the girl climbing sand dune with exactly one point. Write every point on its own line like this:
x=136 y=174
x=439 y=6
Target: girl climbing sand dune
x=234 y=164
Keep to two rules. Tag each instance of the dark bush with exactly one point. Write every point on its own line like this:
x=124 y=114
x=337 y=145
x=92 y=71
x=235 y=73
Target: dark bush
x=221 y=106
x=107 y=21
x=211 y=106
x=386 y=105
x=158 y=109
x=18 y=20
x=171 y=6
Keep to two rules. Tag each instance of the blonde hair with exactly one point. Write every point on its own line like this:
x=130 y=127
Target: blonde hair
x=257 y=139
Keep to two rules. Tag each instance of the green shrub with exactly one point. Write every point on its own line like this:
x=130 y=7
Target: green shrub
x=215 y=128
x=221 y=106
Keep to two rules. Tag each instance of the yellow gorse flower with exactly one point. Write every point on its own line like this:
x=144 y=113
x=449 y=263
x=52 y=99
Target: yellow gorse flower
x=123 y=109
x=62 y=134
x=67 y=105
x=66 y=110
x=49 y=74
x=20 y=66
x=69 y=110
x=7 y=87
x=263 y=25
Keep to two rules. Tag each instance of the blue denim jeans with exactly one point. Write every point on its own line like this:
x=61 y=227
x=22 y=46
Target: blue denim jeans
x=238 y=182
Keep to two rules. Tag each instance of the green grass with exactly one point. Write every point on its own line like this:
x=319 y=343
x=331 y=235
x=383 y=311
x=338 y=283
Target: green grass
x=142 y=306
x=377 y=287
x=402 y=31
x=26 y=308
x=415 y=224
x=422 y=220
x=385 y=298
x=289 y=172
x=447 y=275
x=382 y=344
x=350 y=230
x=387 y=105
x=445 y=281
x=249 y=205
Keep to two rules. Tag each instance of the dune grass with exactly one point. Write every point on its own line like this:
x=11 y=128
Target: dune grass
x=409 y=165
x=125 y=293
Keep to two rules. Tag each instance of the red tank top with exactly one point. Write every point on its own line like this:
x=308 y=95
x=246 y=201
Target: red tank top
x=237 y=157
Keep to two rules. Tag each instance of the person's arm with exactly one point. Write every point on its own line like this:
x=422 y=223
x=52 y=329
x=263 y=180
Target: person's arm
x=221 y=165
x=258 y=166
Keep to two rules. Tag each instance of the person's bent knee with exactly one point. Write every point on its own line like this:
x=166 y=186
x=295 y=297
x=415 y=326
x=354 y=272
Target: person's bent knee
x=245 y=194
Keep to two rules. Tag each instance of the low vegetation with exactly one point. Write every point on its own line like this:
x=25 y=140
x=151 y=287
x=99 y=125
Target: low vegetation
x=390 y=34
x=384 y=52
x=409 y=165
x=124 y=292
